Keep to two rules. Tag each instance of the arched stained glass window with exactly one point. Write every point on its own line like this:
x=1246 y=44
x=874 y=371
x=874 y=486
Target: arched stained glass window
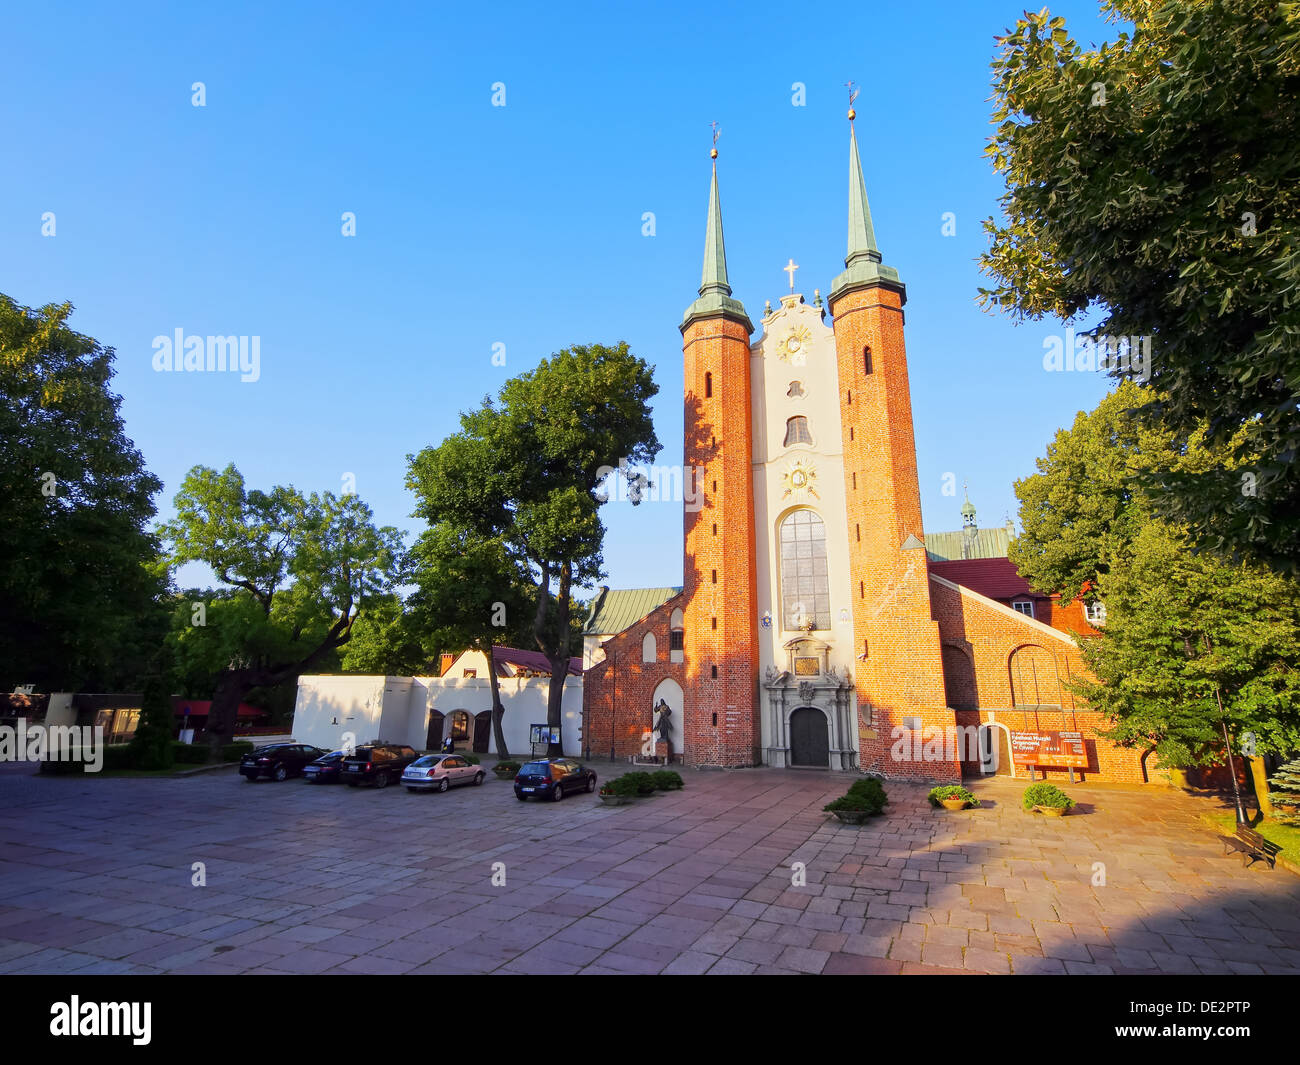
x=805 y=582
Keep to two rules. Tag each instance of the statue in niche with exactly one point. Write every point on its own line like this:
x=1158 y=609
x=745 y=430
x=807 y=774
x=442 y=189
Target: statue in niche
x=663 y=725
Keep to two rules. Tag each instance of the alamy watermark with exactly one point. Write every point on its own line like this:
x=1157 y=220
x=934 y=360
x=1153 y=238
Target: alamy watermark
x=1085 y=353
x=179 y=353
x=652 y=484
x=53 y=743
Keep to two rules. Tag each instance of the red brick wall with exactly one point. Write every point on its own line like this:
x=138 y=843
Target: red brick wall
x=974 y=628
x=617 y=694
x=902 y=672
x=722 y=722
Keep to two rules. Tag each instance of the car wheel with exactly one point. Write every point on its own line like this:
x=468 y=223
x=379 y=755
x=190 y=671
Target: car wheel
x=444 y=784
x=521 y=798
x=591 y=784
x=281 y=773
x=557 y=793
x=381 y=780
x=478 y=779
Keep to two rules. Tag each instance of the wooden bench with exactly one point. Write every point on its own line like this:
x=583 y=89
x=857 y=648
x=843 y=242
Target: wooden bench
x=1252 y=846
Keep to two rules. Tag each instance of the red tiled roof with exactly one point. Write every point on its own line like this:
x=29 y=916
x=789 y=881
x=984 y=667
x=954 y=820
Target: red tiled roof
x=531 y=660
x=993 y=577
x=200 y=708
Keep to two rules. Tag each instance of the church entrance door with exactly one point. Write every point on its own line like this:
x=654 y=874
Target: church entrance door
x=810 y=743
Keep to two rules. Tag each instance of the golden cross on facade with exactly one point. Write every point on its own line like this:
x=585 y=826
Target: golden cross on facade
x=790 y=268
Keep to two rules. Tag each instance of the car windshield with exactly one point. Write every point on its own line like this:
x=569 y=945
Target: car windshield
x=538 y=769
x=271 y=748
x=428 y=759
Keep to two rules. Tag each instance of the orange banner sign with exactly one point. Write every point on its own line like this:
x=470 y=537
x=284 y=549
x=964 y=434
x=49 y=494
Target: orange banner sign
x=1064 y=749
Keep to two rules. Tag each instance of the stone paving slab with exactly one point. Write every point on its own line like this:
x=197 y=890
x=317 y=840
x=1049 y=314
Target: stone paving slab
x=96 y=878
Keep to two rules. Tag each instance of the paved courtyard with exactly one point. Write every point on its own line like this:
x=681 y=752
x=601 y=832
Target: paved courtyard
x=96 y=878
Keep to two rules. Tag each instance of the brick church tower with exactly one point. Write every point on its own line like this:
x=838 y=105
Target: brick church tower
x=720 y=713
x=898 y=665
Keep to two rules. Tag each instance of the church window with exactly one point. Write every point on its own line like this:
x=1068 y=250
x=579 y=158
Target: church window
x=866 y=359
x=676 y=636
x=805 y=582
x=649 y=648
x=796 y=431
x=708 y=386
x=1023 y=606
x=796 y=390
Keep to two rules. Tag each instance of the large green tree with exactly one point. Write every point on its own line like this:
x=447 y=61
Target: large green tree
x=526 y=471
x=387 y=641
x=1197 y=649
x=78 y=575
x=1155 y=181
x=302 y=569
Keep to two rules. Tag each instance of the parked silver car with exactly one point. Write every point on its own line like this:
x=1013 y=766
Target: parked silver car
x=438 y=772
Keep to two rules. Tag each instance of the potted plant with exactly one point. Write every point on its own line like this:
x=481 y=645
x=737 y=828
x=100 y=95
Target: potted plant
x=865 y=799
x=506 y=770
x=618 y=792
x=1047 y=799
x=952 y=797
x=643 y=783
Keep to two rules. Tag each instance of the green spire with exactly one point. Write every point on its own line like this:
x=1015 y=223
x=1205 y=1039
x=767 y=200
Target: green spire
x=714 y=277
x=862 y=234
x=715 y=300
x=863 y=264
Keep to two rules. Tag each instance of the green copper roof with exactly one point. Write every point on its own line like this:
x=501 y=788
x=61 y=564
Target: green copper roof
x=715 y=300
x=987 y=543
x=863 y=263
x=614 y=610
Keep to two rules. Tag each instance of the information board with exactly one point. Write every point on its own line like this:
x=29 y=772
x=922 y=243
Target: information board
x=1064 y=749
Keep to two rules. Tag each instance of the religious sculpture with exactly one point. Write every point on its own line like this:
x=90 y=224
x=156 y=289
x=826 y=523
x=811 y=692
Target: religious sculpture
x=664 y=726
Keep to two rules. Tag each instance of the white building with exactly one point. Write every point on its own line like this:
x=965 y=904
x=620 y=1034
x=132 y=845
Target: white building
x=420 y=711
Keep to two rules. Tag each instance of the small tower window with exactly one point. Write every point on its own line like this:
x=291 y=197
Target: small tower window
x=649 y=649
x=795 y=390
x=715 y=624
x=715 y=576
x=796 y=431
x=866 y=359
x=715 y=677
x=708 y=386
x=849 y=397
x=676 y=636
x=850 y=432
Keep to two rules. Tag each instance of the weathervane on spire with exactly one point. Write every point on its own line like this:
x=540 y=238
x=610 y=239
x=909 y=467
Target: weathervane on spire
x=713 y=153
x=853 y=95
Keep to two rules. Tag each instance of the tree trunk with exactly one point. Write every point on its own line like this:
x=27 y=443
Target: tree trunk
x=1259 y=777
x=498 y=711
x=559 y=663
x=223 y=713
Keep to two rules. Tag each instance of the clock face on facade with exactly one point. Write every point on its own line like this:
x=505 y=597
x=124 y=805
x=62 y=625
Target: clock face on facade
x=793 y=348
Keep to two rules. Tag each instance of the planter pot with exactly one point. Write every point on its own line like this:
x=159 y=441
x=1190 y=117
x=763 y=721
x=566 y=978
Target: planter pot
x=1051 y=811
x=615 y=800
x=852 y=817
x=953 y=804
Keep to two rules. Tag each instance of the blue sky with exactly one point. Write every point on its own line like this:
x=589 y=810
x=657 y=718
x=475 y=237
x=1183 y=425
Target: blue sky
x=518 y=225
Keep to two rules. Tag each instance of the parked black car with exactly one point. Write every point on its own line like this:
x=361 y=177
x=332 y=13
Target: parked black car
x=551 y=778
x=327 y=770
x=379 y=764
x=278 y=761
